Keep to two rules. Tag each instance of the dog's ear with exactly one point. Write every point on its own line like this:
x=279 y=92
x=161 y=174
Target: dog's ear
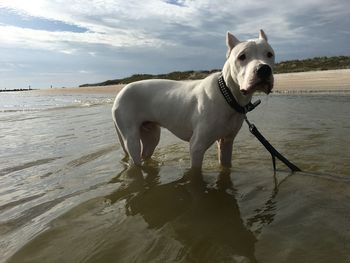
x=262 y=35
x=231 y=42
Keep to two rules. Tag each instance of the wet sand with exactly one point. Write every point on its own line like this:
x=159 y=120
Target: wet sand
x=303 y=82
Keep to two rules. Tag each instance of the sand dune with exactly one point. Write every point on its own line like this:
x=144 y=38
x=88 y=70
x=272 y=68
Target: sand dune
x=313 y=81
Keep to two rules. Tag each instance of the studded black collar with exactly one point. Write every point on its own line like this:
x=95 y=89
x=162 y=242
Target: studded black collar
x=231 y=100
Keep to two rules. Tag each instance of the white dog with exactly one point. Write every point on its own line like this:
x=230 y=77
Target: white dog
x=198 y=111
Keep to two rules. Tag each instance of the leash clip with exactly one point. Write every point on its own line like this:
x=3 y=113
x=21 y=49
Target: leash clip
x=252 y=106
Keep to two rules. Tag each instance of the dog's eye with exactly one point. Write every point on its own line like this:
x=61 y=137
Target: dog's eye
x=269 y=54
x=242 y=57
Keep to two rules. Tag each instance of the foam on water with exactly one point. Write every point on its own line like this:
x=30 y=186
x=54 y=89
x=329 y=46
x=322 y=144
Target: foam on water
x=36 y=101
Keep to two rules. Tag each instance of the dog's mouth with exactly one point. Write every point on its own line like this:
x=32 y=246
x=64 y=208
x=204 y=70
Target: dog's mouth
x=263 y=85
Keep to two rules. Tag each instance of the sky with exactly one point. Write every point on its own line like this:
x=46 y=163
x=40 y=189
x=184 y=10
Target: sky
x=68 y=43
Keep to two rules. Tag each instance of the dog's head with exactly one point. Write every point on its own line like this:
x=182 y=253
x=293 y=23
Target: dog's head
x=251 y=63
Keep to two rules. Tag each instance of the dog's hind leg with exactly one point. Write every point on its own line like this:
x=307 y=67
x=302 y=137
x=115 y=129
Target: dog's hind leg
x=150 y=134
x=121 y=140
x=133 y=145
x=128 y=134
x=129 y=137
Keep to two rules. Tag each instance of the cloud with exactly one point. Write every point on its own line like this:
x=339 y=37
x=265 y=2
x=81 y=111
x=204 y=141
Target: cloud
x=107 y=23
x=168 y=23
x=118 y=37
x=65 y=41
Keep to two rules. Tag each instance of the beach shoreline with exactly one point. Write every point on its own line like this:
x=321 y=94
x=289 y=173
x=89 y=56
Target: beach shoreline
x=300 y=82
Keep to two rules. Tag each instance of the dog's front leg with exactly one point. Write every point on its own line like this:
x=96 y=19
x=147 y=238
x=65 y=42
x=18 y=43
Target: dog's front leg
x=199 y=143
x=225 y=151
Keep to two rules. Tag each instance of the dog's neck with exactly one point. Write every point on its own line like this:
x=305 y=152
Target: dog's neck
x=234 y=87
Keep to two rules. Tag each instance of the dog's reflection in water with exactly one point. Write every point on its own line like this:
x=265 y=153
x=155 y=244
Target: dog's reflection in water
x=205 y=219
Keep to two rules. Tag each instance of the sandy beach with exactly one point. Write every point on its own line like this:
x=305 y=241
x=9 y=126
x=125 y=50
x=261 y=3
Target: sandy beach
x=301 y=82
x=313 y=81
x=93 y=89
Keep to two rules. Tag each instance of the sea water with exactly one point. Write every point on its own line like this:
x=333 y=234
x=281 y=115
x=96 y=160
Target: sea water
x=67 y=195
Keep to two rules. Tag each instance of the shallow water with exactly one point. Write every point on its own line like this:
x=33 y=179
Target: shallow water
x=67 y=196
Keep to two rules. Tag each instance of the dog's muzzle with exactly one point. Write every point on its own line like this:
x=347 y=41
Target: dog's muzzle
x=264 y=80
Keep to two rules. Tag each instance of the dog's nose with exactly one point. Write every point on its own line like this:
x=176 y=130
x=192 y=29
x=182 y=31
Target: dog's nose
x=264 y=71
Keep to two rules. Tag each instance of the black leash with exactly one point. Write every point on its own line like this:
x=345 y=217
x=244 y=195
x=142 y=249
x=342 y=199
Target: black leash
x=231 y=100
x=274 y=153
